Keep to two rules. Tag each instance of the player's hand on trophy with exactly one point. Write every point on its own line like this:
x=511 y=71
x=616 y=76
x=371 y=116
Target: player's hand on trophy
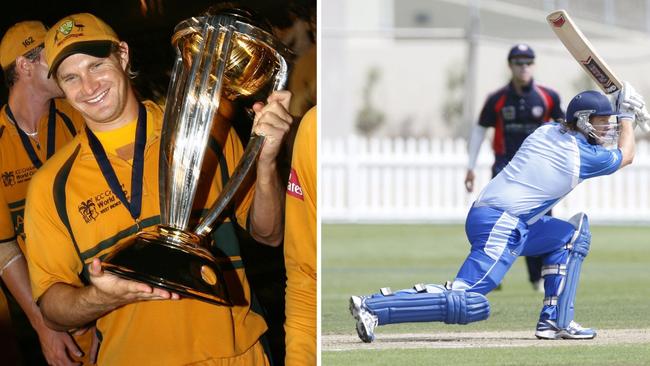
x=273 y=121
x=630 y=103
x=117 y=291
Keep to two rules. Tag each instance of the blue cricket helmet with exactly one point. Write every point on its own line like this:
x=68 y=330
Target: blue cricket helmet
x=592 y=103
x=590 y=100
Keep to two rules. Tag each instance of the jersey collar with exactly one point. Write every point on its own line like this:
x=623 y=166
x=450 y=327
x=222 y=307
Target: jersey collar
x=511 y=88
x=86 y=152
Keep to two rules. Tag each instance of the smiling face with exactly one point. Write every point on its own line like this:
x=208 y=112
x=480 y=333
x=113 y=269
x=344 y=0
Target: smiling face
x=99 y=88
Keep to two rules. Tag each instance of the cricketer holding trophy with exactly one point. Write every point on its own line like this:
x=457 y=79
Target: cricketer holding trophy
x=128 y=189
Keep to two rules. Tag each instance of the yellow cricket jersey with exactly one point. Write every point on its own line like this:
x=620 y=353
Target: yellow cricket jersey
x=72 y=216
x=300 y=247
x=17 y=168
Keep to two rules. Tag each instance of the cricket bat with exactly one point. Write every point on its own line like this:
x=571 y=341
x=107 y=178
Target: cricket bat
x=583 y=51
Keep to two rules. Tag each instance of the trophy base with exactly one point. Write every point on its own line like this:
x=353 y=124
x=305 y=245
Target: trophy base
x=171 y=259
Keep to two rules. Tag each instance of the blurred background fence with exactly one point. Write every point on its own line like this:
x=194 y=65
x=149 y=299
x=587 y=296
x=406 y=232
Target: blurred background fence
x=375 y=180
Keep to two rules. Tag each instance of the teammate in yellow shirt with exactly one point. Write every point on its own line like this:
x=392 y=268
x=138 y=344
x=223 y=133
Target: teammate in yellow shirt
x=300 y=247
x=74 y=218
x=33 y=125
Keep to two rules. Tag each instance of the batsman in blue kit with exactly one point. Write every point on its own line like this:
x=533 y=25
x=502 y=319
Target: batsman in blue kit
x=507 y=220
x=514 y=112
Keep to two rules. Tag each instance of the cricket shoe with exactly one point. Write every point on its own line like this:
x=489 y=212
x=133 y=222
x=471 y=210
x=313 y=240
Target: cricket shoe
x=548 y=329
x=366 y=321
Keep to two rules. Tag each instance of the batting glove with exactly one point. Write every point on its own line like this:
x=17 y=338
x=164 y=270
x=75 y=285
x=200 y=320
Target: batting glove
x=631 y=104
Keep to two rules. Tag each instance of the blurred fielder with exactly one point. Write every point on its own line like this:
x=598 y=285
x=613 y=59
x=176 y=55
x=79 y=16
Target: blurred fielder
x=507 y=220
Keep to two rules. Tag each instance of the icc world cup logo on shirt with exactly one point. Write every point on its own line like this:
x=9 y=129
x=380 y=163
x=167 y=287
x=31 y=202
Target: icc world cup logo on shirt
x=88 y=210
x=8 y=179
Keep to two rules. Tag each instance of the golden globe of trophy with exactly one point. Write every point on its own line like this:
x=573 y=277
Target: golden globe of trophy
x=218 y=56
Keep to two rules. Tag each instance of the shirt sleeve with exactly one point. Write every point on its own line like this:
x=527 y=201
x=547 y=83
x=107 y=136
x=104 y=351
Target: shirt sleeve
x=474 y=145
x=488 y=116
x=595 y=160
x=50 y=253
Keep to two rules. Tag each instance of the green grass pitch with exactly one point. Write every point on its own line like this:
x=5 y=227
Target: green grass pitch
x=614 y=293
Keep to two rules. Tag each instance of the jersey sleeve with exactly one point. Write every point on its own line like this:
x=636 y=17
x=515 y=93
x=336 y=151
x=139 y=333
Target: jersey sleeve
x=488 y=116
x=595 y=160
x=50 y=253
x=300 y=247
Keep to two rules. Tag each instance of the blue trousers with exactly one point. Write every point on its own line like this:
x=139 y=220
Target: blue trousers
x=498 y=238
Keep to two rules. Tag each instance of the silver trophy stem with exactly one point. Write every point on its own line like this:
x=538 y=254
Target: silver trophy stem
x=228 y=191
x=248 y=159
x=183 y=155
x=282 y=76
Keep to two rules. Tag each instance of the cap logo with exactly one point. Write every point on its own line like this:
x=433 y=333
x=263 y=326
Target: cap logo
x=66 y=28
x=28 y=41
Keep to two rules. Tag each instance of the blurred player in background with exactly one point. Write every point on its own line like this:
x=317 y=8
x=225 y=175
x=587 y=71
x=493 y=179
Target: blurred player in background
x=507 y=220
x=33 y=125
x=300 y=247
x=514 y=111
x=297 y=29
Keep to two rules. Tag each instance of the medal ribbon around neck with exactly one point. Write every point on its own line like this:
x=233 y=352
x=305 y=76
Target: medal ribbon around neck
x=27 y=143
x=135 y=206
